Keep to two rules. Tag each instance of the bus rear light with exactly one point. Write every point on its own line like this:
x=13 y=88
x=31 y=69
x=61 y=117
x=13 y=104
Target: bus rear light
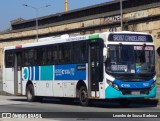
x=18 y=46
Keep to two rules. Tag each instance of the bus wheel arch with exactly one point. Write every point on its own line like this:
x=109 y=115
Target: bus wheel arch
x=30 y=93
x=79 y=85
x=82 y=93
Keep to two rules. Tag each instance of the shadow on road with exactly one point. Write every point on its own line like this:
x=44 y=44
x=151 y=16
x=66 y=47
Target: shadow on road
x=141 y=103
x=19 y=100
x=134 y=104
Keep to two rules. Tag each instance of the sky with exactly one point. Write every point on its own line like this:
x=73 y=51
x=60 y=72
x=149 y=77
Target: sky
x=13 y=9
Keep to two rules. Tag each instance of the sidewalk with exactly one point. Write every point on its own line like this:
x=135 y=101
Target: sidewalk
x=1 y=87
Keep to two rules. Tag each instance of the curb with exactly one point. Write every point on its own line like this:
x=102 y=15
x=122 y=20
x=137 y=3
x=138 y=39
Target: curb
x=5 y=93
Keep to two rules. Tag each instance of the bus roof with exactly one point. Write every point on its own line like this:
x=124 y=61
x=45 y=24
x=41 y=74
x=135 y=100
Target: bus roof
x=66 y=38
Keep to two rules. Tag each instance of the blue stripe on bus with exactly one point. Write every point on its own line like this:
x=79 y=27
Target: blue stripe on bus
x=30 y=77
x=29 y=73
x=37 y=73
x=32 y=70
x=134 y=85
x=46 y=73
x=70 y=72
x=55 y=72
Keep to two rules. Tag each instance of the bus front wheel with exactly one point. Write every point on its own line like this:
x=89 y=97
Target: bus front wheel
x=30 y=93
x=83 y=96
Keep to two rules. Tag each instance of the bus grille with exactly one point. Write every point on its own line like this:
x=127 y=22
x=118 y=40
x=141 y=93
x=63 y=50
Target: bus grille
x=130 y=92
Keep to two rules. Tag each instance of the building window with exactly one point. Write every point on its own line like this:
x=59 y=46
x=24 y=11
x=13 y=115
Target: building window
x=9 y=59
x=158 y=35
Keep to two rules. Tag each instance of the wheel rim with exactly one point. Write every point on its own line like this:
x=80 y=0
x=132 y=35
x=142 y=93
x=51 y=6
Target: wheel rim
x=29 y=94
x=84 y=96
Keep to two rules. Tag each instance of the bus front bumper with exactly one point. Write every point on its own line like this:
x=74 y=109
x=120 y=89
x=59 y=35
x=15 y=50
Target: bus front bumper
x=111 y=93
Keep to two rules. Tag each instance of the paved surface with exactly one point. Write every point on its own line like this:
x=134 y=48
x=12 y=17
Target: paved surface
x=158 y=92
x=1 y=86
x=85 y=119
x=20 y=105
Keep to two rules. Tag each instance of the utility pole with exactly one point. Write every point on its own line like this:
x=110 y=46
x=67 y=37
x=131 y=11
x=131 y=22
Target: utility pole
x=121 y=15
x=66 y=5
x=36 y=10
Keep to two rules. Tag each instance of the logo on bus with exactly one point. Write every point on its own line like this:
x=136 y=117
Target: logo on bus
x=25 y=73
x=65 y=72
x=125 y=85
x=146 y=84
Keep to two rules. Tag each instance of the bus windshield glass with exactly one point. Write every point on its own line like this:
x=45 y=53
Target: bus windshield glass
x=130 y=59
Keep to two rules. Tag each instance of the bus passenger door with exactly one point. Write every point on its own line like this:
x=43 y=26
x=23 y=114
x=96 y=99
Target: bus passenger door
x=95 y=67
x=17 y=73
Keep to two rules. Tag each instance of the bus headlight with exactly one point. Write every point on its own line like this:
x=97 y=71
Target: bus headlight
x=115 y=86
x=153 y=84
x=110 y=83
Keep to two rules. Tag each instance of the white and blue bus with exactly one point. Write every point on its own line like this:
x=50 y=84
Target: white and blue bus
x=109 y=65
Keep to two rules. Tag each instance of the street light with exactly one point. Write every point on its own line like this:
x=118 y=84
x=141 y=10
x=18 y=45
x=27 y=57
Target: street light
x=36 y=9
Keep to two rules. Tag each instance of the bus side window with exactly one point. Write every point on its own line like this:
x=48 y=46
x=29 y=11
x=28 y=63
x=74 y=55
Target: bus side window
x=64 y=53
x=83 y=53
x=49 y=55
x=55 y=55
x=9 y=59
x=29 y=57
x=25 y=58
x=61 y=54
x=79 y=52
x=67 y=53
x=40 y=56
x=75 y=52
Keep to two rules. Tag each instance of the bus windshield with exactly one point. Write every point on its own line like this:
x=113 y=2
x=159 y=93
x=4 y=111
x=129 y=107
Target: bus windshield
x=130 y=59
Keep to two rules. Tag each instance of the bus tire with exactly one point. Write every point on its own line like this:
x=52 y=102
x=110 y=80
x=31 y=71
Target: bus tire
x=30 y=93
x=83 y=96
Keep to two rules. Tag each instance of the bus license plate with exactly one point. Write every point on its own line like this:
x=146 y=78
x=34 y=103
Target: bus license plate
x=135 y=92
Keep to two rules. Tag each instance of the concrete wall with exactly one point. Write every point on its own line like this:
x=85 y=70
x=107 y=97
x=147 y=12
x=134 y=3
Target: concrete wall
x=152 y=27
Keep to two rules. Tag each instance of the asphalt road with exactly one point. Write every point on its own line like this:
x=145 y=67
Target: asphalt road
x=57 y=110
x=158 y=92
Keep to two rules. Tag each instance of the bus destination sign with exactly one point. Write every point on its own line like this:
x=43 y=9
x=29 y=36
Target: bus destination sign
x=130 y=38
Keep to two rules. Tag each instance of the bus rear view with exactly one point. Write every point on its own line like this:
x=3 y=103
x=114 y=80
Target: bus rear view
x=130 y=66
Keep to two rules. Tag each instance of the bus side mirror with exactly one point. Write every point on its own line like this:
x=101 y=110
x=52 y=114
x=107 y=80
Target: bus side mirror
x=158 y=51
